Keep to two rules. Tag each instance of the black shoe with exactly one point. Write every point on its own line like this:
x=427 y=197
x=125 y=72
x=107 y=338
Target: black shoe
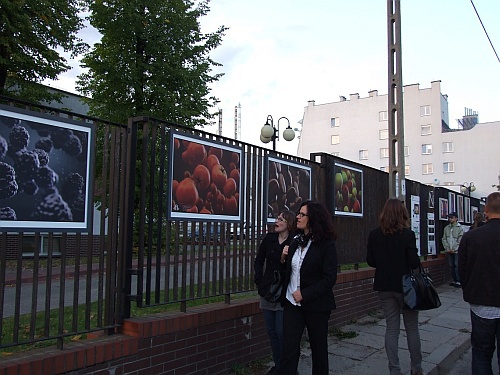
x=458 y=285
x=452 y=284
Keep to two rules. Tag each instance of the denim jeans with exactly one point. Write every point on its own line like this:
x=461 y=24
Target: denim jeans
x=453 y=262
x=274 y=328
x=484 y=334
x=392 y=306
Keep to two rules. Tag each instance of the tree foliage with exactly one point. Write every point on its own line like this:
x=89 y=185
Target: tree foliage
x=152 y=60
x=33 y=33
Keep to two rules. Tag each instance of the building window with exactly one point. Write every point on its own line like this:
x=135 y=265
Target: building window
x=447 y=147
x=335 y=139
x=407 y=150
x=383 y=134
x=384 y=153
x=382 y=116
x=426 y=130
x=407 y=170
x=425 y=110
x=29 y=248
x=449 y=167
x=427 y=168
x=363 y=154
x=426 y=149
x=383 y=169
x=334 y=121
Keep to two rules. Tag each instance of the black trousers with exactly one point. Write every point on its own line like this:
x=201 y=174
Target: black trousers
x=295 y=319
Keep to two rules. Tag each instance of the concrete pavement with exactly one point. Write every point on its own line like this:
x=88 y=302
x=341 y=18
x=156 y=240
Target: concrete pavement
x=444 y=333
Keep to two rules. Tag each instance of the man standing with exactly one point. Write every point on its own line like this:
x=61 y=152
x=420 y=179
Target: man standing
x=479 y=267
x=452 y=235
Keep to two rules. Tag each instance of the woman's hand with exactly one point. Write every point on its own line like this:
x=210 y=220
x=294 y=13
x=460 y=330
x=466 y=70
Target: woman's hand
x=284 y=254
x=297 y=296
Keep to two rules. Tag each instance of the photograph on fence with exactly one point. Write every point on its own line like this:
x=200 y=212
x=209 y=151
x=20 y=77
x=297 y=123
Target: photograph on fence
x=288 y=185
x=205 y=179
x=443 y=209
x=467 y=217
x=348 y=192
x=460 y=208
x=452 y=202
x=45 y=173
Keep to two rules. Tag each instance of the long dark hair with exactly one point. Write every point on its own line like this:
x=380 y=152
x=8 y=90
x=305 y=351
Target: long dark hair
x=320 y=221
x=394 y=216
x=291 y=222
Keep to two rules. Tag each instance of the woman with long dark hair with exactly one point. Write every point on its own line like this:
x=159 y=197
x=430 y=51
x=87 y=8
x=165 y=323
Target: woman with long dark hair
x=266 y=262
x=311 y=265
x=392 y=251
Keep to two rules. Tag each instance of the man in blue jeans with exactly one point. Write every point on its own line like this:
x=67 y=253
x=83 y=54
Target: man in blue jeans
x=479 y=268
x=452 y=235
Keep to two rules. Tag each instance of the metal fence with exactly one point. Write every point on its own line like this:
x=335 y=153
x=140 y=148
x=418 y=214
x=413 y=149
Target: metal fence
x=58 y=286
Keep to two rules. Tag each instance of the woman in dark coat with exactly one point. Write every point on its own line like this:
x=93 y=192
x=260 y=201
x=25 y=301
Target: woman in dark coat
x=311 y=265
x=392 y=251
x=266 y=262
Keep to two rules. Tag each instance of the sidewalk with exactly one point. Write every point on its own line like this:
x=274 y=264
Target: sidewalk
x=444 y=333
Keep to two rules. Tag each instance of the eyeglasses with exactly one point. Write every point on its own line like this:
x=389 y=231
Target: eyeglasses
x=281 y=219
x=301 y=214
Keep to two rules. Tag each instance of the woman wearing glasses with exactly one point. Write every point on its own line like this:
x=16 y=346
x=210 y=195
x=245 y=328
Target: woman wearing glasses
x=266 y=262
x=311 y=265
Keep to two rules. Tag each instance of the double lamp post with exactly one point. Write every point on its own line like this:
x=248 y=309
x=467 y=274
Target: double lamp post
x=270 y=133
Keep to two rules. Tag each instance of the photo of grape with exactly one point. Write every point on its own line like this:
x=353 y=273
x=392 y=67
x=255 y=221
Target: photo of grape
x=42 y=169
x=348 y=190
x=288 y=186
x=206 y=178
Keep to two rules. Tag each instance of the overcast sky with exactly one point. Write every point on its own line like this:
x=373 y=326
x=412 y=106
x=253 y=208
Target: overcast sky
x=279 y=54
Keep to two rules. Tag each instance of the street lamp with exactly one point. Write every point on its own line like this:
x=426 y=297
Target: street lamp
x=467 y=188
x=269 y=133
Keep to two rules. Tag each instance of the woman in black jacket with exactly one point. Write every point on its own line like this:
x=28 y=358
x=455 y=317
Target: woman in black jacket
x=311 y=265
x=266 y=262
x=392 y=251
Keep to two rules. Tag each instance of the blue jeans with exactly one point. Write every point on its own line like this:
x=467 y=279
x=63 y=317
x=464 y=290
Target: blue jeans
x=484 y=334
x=274 y=328
x=453 y=262
x=392 y=307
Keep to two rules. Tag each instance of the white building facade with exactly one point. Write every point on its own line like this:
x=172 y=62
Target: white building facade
x=357 y=129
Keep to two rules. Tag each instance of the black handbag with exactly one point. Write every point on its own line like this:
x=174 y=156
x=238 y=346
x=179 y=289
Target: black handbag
x=419 y=292
x=274 y=293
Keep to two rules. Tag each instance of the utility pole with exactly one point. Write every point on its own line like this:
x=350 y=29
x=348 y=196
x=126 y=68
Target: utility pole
x=395 y=102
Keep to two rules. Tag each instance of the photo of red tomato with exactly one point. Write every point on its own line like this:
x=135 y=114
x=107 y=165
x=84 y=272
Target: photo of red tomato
x=205 y=178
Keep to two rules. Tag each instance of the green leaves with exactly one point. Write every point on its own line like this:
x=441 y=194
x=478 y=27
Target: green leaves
x=32 y=35
x=152 y=60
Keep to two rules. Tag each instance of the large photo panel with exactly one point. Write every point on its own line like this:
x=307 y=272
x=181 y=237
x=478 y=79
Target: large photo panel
x=348 y=191
x=288 y=185
x=205 y=179
x=45 y=173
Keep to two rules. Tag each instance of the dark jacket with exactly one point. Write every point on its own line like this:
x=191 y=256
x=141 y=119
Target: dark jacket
x=318 y=275
x=267 y=260
x=392 y=256
x=479 y=264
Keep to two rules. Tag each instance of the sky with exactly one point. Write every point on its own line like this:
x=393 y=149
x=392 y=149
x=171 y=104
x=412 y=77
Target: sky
x=279 y=54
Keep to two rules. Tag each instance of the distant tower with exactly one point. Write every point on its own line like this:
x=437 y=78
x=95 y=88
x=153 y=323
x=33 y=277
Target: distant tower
x=237 y=122
x=220 y=121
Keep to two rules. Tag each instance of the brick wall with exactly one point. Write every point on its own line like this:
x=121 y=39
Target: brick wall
x=209 y=339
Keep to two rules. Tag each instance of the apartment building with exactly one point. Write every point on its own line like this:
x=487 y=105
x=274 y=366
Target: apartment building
x=436 y=152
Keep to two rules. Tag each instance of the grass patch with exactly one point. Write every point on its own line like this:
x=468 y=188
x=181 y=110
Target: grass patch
x=341 y=335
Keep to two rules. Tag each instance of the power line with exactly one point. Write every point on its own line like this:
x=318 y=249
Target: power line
x=484 y=28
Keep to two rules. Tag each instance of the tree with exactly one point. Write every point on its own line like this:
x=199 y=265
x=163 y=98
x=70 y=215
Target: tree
x=31 y=33
x=152 y=60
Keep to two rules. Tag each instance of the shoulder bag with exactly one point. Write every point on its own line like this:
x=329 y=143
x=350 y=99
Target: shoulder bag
x=274 y=293
x=419 y=292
